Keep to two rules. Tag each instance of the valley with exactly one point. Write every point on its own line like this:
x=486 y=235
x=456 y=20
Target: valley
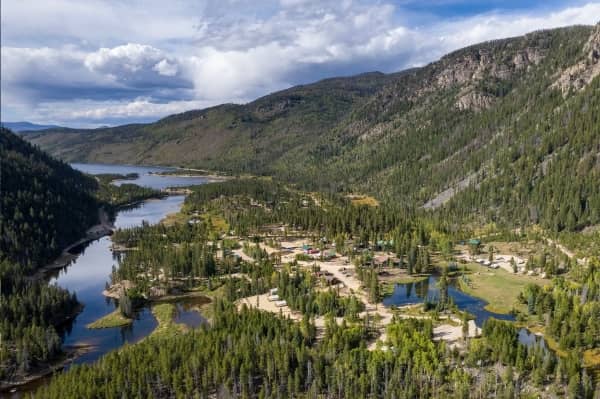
x=431 y=232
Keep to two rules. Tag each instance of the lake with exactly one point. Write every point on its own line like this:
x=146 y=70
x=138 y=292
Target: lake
x=147 y=175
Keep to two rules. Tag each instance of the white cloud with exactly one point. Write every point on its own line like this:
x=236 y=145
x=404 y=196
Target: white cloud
x=88 y=113
x=98 y=22
x=130 y=60
x=461 y=33
x=165 y=68
x=130 y=57
x=133 y=63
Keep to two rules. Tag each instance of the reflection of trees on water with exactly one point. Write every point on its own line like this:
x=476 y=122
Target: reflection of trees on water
x=117 y=256
x=127 y=333
x=409 y=288
x=422 y=288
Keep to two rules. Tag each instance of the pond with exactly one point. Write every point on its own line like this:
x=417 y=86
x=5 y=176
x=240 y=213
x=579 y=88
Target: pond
x=418 y=292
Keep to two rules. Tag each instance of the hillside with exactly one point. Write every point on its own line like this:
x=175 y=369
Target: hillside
x=46 y=205
x=493 y=131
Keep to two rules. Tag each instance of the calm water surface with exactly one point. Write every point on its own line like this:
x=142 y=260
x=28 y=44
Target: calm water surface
x=87 y=275
x=418 y=292
x=146 y=176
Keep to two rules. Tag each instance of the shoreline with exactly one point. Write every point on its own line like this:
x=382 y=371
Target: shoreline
x=72 y=353
x=469 y=291
x=95 y=232
x=211 y=176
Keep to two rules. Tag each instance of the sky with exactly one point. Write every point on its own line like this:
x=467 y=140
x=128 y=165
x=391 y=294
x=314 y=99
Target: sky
x=89 y=63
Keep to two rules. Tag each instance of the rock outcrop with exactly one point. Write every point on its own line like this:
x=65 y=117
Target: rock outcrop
x=474 y=100
x=579 y=75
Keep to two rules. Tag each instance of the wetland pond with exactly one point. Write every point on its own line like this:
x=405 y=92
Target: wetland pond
x=427 y=289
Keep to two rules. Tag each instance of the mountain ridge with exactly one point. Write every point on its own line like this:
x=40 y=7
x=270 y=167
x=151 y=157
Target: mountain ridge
x=24 y=126
x=407 y=136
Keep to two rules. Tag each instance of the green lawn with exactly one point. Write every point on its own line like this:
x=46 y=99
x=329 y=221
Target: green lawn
x=498 y=287
x=114 y=319
x=164 y=313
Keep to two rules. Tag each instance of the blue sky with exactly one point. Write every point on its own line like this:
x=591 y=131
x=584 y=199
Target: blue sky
x=107 y=62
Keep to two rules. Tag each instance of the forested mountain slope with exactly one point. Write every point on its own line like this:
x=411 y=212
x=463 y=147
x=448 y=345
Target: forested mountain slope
x=507 y=123
x=45 y=204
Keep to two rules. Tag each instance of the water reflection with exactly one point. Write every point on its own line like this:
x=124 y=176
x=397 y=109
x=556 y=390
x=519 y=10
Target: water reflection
x=532 y=340
x=427 y=289
x=147 y=175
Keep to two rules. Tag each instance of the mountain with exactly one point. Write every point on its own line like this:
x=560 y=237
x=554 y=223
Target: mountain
x=492 y=132
x=46 y=205
x=26 y=126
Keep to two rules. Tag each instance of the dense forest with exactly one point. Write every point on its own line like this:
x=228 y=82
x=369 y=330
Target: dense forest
x=255 y=354
x=45 y=206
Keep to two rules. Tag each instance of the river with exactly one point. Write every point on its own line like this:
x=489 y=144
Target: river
x=87 y=275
